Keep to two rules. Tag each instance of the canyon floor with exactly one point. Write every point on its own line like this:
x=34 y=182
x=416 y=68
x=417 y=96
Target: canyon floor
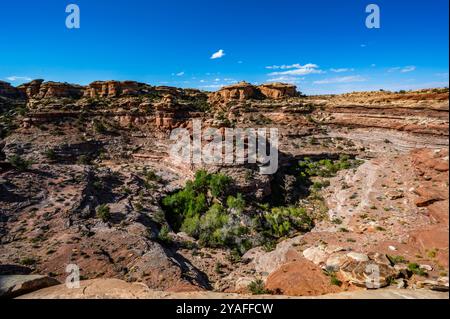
x=86 y=178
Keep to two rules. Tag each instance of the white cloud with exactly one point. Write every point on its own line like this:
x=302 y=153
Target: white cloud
x=292 y=66
x=18 y=78
x=342 y=70
x=404 y=69
x=213 y=86
x=219 y=54
x=286 y=79
x=295 y=69
x=408 y=69
x=344 y=79
x=180 y=74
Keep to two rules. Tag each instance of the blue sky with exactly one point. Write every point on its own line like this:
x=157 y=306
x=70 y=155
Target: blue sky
x=323 y=46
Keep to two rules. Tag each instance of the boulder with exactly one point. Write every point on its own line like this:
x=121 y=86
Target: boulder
x=10 y=269
x=316 y=254
x=367 y=274
x=300 y=278
x=15 y=285
x=441 y=284
x=358 y=256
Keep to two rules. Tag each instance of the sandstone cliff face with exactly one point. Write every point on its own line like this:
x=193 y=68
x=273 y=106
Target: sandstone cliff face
x=9 y=91
x=240 y=91
x=278 y=90
x=244 y=91
x=115 y=89
x=38 y=89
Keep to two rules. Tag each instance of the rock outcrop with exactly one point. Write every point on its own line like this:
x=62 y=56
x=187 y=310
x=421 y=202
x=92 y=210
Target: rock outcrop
x=102 y=89
x=245 y=91
x=38 y=89
x=240 y=91
x=278 y=90
x=9 y=91
x=117 y=289
x=15 y=285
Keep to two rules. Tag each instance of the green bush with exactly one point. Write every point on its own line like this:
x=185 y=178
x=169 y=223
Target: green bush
x=20 y=163
x=50 y=154
x=84 y=160
x=258 y=287
x=326 y=168
x=415 y=269
x=236 y=203
x=218 y=184
x=164 y=235
x=103 y=212
x=150 y=176
x=282 y=220
x=99 y=127
x=211 y=227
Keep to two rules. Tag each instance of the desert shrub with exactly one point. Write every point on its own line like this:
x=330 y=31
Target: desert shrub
x=211 y=227
x=318 y=185
x=191 y=225
x=164 y=235
x=99 y=127
x=103 y=212
x=20 y=163
x=282 y=220
x=50 y=154
x=415 y=269
x=150 y=176
x=236 y=203
x=197 y=210
x=326 y=167
x=257 y=287
x=28 y=261
x=84 y=160
x=218 y=184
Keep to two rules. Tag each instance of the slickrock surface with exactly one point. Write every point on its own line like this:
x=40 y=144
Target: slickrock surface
x=68 y=150
x=117 y=289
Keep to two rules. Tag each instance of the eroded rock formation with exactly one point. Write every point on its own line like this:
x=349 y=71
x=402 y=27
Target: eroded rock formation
x=246 y=91
x=38 y=89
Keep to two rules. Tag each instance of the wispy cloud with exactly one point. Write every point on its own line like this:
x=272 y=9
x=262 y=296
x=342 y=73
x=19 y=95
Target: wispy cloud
x=15 y=78
x=217 y=55
x=408 y=69
x=343 y=79
x=286 y=79
x=180 y=74
x=341 y=70
x=295 y=69
x=212 y=86
x=404 y=69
